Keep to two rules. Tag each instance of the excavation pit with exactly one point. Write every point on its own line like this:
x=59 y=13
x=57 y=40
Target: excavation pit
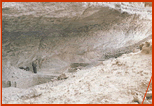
x=28 y=81
x=74 y=65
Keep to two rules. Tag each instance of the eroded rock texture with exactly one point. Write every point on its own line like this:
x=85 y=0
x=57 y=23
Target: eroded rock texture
x=81 y=52
x=57 y=34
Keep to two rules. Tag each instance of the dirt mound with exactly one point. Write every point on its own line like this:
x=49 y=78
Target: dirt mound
x=147 y=47
x=118 y=80
x=71 y=38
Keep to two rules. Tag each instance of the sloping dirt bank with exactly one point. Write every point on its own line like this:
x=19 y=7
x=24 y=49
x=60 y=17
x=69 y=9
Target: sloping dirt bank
x=114 y=81
x=57 y=35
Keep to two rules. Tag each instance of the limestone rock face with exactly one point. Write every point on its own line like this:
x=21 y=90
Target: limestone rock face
x=82 y=52
x=60 y=33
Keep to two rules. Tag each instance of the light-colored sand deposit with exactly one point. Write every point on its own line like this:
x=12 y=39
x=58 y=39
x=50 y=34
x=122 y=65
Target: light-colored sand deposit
x=82 y=53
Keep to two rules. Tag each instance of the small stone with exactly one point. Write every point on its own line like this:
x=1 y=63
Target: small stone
x=62 y=76
x=149 y=94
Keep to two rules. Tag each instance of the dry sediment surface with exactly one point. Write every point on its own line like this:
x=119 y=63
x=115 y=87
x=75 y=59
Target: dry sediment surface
x=123 y=80
x=85 y=52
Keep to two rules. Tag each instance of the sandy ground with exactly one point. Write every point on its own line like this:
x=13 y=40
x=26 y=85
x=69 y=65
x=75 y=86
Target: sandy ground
x=114 y=81
x=101 y=31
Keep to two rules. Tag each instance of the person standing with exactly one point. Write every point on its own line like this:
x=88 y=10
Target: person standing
x=34 y=65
